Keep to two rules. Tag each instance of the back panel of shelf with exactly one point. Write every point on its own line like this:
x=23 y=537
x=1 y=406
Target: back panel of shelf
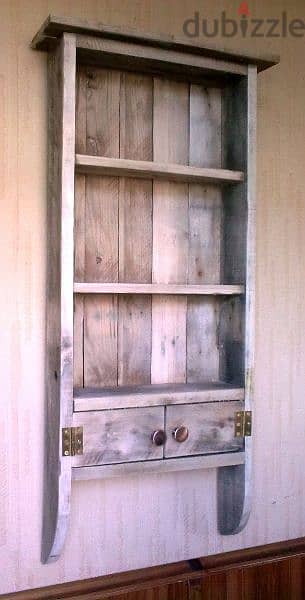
x=142 y=231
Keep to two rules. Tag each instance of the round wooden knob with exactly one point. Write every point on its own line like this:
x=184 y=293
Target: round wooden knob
x=158 y=437
x=181 y=434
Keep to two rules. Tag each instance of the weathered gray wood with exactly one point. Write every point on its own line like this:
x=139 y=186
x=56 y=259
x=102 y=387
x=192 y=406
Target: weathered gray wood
x=189 y=463
x=59 y=355
x=154 y=395
x=100 y=165
x=79 y=228
x=135 y=231
x=158 y=288
x=102 y=209
x=125 y=54
x=116 y=436
x=211 y=428
x=234 y=483
x=54 y=26
x=205 y=237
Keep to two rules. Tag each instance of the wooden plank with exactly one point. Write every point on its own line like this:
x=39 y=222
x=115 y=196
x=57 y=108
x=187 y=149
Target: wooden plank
x=100 y=165
x=205 y=240
x=154 y=60
x=54 y=26
x=101 y=256
x=211 y=428
x=135 y=231
x=190 y=463
x=79 y=227
x=170 y=232
x=235 y=483
x=153 y=395
x=157 y=288
x=119 y=436
x=59 y=354
x=100 y=316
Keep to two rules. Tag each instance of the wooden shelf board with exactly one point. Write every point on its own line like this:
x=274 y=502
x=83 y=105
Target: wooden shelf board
x=159 y=466
x=158 y=288
x=87 y=399
x=100 y=165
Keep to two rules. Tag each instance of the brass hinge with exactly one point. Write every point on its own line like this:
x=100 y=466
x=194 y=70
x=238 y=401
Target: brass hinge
x=72 y=441
x=243 y=423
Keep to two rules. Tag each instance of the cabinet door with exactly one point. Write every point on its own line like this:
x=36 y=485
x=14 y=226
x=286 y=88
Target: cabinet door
x=118 y=436
x=201 y=429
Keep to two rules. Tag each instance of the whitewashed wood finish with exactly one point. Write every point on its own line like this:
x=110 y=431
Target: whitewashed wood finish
x=205 y=235
x=118 y=436
x=145 y=57
x=154 y=395
x=235 y=483
x=100 y=165
x=191 y=463
x=158 y=288
x=59 y=368
x=135 y=231
x=211 y=428
x=170 y=231
x=115 y=511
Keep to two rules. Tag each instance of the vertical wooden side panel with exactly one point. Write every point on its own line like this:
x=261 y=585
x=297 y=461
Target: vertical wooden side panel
x=135 y=231
x=170 y=232
x=59 y=365
x=101 y=223
x=79 y=227
x=235 y=483
x=205 y=242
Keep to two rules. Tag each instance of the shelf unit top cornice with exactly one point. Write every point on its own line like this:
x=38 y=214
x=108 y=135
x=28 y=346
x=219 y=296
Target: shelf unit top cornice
x=53 y=28
x=101 y=165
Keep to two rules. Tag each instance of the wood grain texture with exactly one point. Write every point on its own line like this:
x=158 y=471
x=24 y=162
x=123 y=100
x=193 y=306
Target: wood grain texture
x=170 y=466
x=53 y=27
x=119 y=436
x=170 y=232
x=158 y=288
x=101 y=228
x=206 y=233
x=149 y=395
x=158 y=467
x=235 y=483
x=99 y=165
x=149 y=59
x=210 y=427
x=135 y=231
x=119 y=508
x=59 y=352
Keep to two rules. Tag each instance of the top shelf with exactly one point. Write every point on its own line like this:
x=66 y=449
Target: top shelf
x=101 y=165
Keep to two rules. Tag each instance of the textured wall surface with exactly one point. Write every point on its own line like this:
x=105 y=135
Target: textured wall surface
x=137 y=522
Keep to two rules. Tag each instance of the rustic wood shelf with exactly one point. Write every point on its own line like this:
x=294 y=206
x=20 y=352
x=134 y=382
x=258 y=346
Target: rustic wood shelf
x=155 y=395
x=212 y=461
x=144 y=133
x=158 y=288
x=100 y=165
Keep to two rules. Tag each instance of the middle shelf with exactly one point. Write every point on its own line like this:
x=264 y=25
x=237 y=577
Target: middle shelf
x=144 y=169
x=158 y=288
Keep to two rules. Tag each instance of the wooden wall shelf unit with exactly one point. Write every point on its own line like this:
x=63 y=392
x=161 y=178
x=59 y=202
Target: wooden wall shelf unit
x=151 y=210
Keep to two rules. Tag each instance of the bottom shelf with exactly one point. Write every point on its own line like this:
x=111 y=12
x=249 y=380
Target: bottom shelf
x=158 y=466
x=87 y=399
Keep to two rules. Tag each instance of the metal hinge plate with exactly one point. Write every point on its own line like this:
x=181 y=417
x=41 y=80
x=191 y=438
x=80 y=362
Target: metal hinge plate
x=243 y=423
x=72 y=441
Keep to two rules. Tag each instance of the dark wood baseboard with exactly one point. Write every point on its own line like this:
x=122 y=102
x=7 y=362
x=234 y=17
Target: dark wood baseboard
x=271 y=572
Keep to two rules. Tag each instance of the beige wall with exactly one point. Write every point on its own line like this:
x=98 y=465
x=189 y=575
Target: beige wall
x=137 y=522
